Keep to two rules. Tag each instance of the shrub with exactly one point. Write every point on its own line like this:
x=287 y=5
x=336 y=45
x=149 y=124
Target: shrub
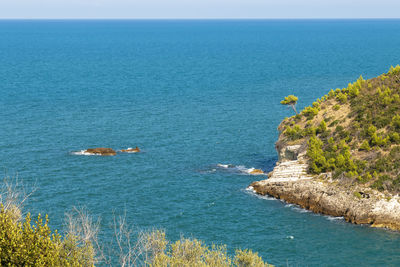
x=297 y=117
x=342 y=98
x=339 y=128
x=365 y=146
x=310 y=131
x=294 y=132
x=322 y=127
x=396 y=98
x=316 y=105
x=357 y=195
x=394 y=70
x=371 y=130
x=24 y=244
x=318 y=162
x=192 y=252
x=396 y=122
x=380 y=183
x=383 y=164
x=247 y=258
x=394 y=137
x=345 y=135
x=365 y=178
x=354 y=89
x=310 y=112
x=331 y=94
x=377 y=140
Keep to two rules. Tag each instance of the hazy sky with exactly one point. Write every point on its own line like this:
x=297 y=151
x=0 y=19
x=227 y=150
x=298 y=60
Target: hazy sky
x=199 y=8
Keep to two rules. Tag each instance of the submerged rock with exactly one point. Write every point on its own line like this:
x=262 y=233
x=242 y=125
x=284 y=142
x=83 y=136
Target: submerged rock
x=103 y=151
x=257 y=172
x=131 y=150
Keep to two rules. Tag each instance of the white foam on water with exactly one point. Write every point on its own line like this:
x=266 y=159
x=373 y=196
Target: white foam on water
x=301 y=210
x=240 y=169
x=129 y=148
x=331 y=218
x=266 y=197
x=250 y=190
x=208 y=171
x=295 y=207
x=83 y=153
x=225 y=166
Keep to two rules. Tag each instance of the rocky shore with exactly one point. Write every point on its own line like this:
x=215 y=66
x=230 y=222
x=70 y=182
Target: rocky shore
x=289 y=181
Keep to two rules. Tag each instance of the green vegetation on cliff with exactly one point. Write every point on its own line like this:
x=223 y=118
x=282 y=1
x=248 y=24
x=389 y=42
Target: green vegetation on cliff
x=353 y=132
x=290 y=100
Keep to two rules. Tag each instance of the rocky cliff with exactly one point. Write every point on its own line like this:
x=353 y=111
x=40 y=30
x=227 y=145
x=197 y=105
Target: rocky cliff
x=289 y=181
x=341 y=156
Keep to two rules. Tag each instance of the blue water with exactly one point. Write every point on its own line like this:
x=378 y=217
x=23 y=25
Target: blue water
x=191 y=94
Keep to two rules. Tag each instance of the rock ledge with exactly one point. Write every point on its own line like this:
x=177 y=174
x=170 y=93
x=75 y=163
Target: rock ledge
x=289 y=181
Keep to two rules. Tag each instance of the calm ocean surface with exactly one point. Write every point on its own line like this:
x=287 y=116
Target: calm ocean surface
x=191 y=94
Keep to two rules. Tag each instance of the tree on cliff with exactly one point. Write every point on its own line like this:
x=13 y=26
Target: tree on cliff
x=290 y=100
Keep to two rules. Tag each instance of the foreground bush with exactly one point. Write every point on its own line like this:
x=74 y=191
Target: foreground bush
x=192 y=252
x=23 y=243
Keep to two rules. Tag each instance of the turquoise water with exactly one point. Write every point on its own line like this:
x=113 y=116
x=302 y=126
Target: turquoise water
x=191 y=94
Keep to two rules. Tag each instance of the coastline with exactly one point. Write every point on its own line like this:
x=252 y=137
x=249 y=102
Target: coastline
x=290 y=182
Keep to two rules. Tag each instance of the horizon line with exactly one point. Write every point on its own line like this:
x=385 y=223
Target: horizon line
x=166 y=18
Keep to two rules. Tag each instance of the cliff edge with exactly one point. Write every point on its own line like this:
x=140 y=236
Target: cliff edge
x=344 y=168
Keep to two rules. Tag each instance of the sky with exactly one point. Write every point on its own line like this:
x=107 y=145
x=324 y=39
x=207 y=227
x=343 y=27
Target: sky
x=198 y=9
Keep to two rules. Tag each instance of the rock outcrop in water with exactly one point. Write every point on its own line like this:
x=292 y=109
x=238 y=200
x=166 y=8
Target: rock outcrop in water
x=341 y=156
x=103 y=151
x=257 y=172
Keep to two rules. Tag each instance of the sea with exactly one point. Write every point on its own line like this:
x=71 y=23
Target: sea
x=193 y=95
